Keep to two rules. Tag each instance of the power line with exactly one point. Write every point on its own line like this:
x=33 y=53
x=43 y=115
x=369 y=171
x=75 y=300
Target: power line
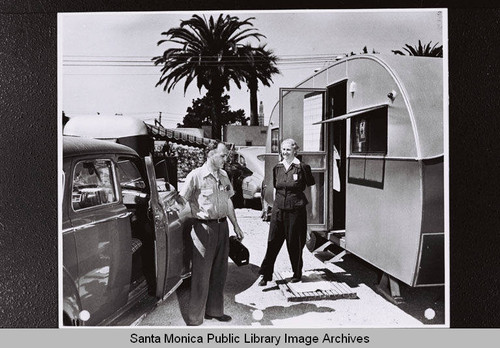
x=205 y=56
x=171 y=115
x=199 y=59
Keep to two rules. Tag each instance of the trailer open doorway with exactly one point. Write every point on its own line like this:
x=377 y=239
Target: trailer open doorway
x=336 y=106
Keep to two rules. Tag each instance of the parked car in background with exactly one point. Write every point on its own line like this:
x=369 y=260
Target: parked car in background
x=246 y=172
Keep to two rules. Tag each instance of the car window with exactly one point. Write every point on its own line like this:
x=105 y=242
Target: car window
x=129 y=175
x=93 y=184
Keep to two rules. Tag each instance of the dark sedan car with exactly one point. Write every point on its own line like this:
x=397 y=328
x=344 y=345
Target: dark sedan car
x=125 y=238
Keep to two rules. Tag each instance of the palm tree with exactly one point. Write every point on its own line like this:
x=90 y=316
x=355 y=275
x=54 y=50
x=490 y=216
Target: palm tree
x=426 y=50
x=261 y=67
x=209 y=54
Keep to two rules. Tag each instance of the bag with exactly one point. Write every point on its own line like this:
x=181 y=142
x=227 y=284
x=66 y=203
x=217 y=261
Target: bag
x=238 y=252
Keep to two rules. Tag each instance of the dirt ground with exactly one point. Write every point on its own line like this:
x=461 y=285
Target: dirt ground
x=245 y=300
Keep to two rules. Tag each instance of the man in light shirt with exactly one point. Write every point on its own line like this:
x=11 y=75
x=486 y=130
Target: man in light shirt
x=209 y=191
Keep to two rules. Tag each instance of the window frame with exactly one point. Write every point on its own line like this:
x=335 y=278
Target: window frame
x=370 y=117
x=115 y=185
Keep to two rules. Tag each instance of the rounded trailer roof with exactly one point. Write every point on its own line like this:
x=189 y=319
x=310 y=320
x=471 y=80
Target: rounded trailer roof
x=105 y=127
x=73 y=146
x=421 y=80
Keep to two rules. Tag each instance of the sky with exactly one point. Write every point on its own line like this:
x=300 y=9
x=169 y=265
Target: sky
x=88 y=87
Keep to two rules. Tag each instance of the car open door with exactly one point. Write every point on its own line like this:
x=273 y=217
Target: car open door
x=178 y=236
x=161 y=229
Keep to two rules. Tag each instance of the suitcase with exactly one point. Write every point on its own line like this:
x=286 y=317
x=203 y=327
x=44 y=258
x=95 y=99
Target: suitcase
x=238 y=252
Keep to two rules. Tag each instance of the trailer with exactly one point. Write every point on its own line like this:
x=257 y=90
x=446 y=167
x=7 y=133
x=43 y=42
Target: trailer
x=371 y=128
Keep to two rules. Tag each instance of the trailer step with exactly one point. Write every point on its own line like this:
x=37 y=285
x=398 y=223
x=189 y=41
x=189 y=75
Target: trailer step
x=337 y=237
x=316 y=284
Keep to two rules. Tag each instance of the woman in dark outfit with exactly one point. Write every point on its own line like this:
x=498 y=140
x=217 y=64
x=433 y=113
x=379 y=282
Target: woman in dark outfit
x=289 y=216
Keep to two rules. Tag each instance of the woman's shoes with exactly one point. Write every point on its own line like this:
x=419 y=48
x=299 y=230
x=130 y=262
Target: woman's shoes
x=295 y=280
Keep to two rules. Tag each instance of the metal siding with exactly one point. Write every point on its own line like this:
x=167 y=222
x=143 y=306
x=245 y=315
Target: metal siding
x=422 y=79
x=100 y=126
x=431 y=266
x=337 y=73
x=373 y=83
x=383 y=226
x=321 y=79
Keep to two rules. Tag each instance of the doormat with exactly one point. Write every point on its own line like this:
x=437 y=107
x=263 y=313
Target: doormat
x=317 y=284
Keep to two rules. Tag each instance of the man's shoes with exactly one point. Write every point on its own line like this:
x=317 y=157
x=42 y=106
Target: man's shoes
x=223 y=317
x=263 y=281
x=295 y=280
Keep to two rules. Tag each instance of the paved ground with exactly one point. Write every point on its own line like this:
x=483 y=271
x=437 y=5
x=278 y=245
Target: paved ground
x=243 y=296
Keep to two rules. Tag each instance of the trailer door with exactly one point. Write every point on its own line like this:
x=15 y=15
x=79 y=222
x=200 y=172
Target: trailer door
x=299 y=109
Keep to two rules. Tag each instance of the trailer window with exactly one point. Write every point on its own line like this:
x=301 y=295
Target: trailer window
x=369 y=132
x=367 y=172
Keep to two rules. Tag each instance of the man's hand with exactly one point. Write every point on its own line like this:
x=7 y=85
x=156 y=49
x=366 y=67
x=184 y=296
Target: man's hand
x=239 y=233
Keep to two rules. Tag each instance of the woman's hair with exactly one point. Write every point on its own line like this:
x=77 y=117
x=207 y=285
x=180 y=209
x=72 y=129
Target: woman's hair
x=292 y=143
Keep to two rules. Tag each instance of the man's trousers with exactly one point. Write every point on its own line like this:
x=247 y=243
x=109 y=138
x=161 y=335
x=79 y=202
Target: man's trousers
x=209 y=270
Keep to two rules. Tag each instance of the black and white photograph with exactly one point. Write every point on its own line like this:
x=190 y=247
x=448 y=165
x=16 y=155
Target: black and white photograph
x=262 y=169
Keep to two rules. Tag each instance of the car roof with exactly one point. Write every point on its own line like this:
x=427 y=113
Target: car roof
x=73 y=146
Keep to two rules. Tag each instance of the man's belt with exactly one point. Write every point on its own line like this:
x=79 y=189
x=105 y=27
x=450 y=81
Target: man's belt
x=222 y=219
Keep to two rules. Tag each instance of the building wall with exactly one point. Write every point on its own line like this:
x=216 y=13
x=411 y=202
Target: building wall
x=245 y=135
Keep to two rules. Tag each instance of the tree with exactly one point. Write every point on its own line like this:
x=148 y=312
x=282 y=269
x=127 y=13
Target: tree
x=199 y=113
x=261 y=67
x=209 y=54
x=426 y=50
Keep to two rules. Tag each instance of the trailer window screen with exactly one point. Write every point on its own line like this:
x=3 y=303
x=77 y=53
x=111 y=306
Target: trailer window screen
x=369 y=132
x=313 y=112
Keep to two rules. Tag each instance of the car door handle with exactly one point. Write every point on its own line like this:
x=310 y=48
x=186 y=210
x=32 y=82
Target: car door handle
x=124 y=215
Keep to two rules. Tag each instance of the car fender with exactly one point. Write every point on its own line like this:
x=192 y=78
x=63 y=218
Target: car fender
x=71 y=299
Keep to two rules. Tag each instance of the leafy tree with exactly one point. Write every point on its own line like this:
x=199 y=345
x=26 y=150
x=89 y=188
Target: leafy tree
x=261 y=67
x=419 y=50
x=199 y=113
x=208 y=52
